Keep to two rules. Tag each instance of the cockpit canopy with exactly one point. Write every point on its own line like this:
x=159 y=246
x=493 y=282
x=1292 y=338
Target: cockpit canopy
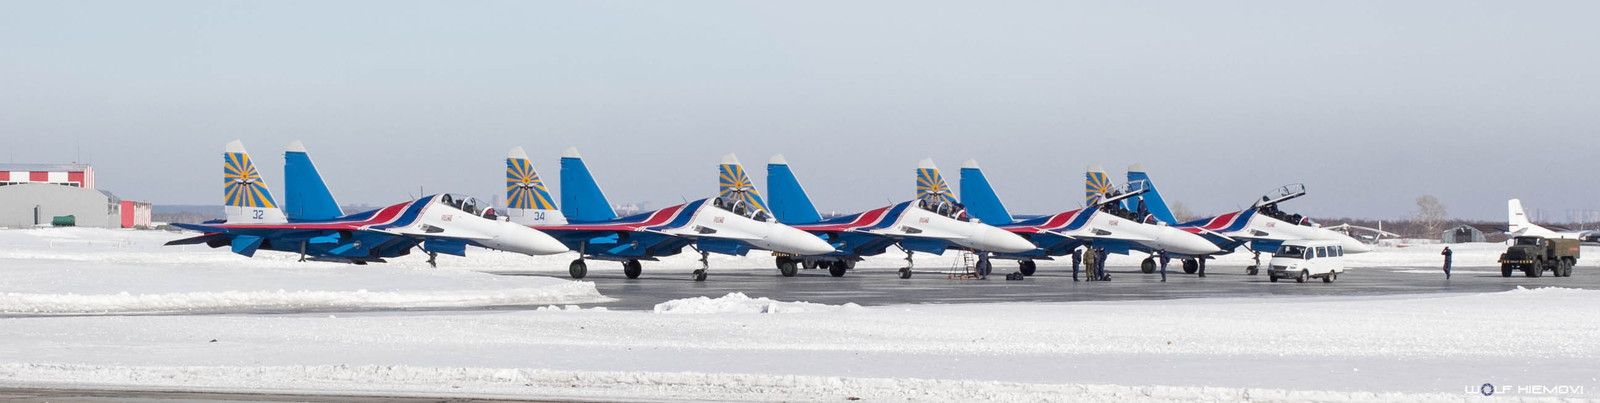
x=956 y=211
x=1112 y=201
x=468 y=204
x=1268 y=205
x=737 y=205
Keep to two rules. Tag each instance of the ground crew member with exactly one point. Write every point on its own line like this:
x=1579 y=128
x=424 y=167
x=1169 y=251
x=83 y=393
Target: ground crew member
x=1077 y=256
x=1102 y=268
x=1090 y=260
x=1447 y=254
x=1164 y=260
x=1202 y=264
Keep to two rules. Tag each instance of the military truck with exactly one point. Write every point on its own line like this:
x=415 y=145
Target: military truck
x=1533 y=255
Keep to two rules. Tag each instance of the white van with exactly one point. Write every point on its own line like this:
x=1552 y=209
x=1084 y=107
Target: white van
x=1303 y=260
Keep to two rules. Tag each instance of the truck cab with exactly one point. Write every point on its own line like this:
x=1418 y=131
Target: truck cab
x=1303 y=260
x=1533 y=255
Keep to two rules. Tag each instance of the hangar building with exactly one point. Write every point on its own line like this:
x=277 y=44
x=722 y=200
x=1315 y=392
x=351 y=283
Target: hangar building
x=36 y=194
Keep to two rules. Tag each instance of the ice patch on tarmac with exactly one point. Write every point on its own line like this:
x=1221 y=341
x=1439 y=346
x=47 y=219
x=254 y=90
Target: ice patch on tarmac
x=233 y=301
x=737 y=302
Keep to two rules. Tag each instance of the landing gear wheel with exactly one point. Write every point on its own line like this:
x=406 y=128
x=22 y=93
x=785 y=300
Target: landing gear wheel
x=578 y=268
x=1190 y=266
x=632 y=268
x=1251 y=270
x=1148 y=265
x=1027 y=267
x=1505 y=270
x=905 y=272
x=700 y=275
x=1304 y=275
x=788 y=267
x=836 y=270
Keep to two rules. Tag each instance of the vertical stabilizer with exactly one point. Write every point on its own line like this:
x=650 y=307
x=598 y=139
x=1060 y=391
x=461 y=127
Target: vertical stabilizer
x=581 y=198
x=931 y=186
x=790 y=204
x=1096 y=183
x=733 y=184
x=980 y=198
x=1519 y=224
x=528 y=202
x=306 y=196
x=245 y=196
x=1153 y=202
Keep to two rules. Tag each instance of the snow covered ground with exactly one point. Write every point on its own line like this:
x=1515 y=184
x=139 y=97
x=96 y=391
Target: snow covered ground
x=1532 y=344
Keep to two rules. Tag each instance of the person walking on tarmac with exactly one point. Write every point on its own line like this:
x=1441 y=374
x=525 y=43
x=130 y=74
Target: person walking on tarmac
x=1447 y=254
x=1077 y=257
x=1164 y=260
x=1202 y=263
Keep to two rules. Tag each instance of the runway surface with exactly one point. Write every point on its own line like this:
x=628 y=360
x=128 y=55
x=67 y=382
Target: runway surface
x=1052 y=284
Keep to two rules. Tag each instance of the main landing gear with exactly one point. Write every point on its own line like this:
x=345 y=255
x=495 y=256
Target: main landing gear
x=1254 y=268
x=433 y=260
x=1027 y=267
x=631 y=268
x=1148 y=265
x=578 y=268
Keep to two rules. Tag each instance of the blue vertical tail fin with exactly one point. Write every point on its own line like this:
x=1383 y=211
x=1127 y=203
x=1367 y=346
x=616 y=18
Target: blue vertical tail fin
x=1153 y=202
x=980 y=198
x=581 y=198
x=734 y=184
x=306 y=196
x=790 y=204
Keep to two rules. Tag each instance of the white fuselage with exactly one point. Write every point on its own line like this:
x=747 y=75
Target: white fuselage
x=1103 y=225
x=1266 y=227
x=444 y=221
x=715 y=222
x=917 y=222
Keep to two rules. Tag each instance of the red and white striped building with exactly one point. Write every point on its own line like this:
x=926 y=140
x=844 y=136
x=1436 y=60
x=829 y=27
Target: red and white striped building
x=76 y=175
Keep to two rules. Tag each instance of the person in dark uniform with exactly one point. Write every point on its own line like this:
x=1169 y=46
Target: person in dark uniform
x=1164 y=260
x=1447 y=254
x=1101 y=269
x=1077 y=257
x=1202 y=263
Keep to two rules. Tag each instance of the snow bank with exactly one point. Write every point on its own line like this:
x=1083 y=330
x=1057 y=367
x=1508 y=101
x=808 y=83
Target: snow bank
x=603 y=385
x=737 y=302
x=235 y=301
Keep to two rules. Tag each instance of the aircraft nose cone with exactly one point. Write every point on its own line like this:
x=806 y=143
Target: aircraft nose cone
x=1183 y=242
x=995 y=239
x=529 y=241
x=792 y=240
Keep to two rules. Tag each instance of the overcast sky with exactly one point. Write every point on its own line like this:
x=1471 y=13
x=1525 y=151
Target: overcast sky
x=1370 y=104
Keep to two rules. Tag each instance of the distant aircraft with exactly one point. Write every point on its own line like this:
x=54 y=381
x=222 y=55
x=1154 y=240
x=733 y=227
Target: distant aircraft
x=586 y=222
x=1520 y=226
x=1261 y=228
x=931 y=223
x=1104 y=222
x=316 y=228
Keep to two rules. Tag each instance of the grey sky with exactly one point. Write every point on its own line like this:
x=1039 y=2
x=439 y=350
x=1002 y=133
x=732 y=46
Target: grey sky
x=1371 y=104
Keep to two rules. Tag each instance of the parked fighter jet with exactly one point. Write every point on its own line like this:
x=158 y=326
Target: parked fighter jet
x=1520 y=226
x=931 y=223
x=1104 y=222
x=1261 y=228
x=586 y=222
x=316 y=229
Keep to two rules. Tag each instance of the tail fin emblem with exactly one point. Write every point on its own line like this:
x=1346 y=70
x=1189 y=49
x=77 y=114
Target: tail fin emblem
x=242 y=185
